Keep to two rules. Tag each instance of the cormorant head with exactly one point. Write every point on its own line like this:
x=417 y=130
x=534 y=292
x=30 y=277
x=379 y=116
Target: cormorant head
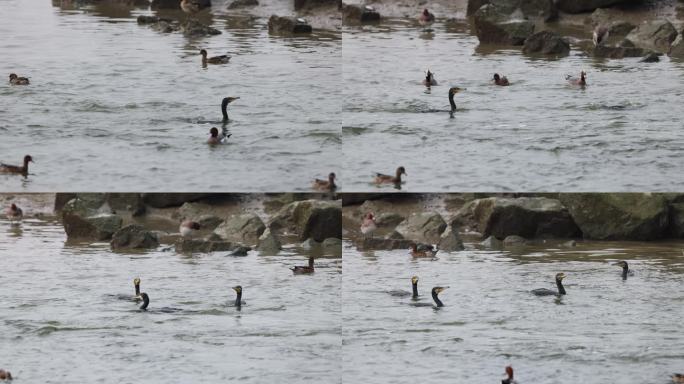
x=238 y=289
x=454 y=90
x=214 y=132
x=27 y=159
x=621 y=264
x=203 y=52
x=136 y=281
x=438 y=290
x=13 y=76
x=560 y=276
x=228 y=100
x=414 y=280
x=497 y=77
x=401 y=171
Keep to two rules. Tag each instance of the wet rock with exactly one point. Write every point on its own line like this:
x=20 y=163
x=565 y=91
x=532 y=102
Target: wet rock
x=82 y=221
x=245 y=228
x=385 y=244
x=61 y=199
x=389 y=219
x=200 y=213
x=243 y=4
x=657 y=35
x=394 y=235
x=677 y=48
x=569 y=244
x=175 y=4
x=514 y=240
x=620 y=52
x=677 y=220
x=525 y=216
x=268 y=243
x=449 y=241
x=352 y=13
x=578 y=6
x=287 y=25
x=423 y=226
x=618 y=216
x=164 y=200
x=620 y=29
x=332 y=244
x=240 y=251
x=544 y=9
x=131 y=202
x=493 y=26
x=547 y=43
x=308 y=4
x=492 y=243
x=309 y=244
x=184 y=245
x=142 y=19
x=315 y=219
x=134 y=236
x=195 y=28
x=651 y=58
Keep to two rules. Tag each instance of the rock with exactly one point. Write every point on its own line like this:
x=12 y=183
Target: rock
x=618 y=216
x=287 y=25
x=657 y=35
x=677 y=220
x=352 y=13
x=547 y=43
x=243 y=4
x=268 y=243
x=245 y=228
x=385 y=244
x=195 y=28
x=164 y=200
x=309 y=244
x=569 y=244
x=184 y=245
x=82 y=221
x=142 y=19
x=175 y=4
x=492 y=242
x=394 y=235
x=620 y=29
x=133 y=236
x=514 y=240
x=651 y=58
x=677 y=48
x=545 y=9
x=423 y=227
x=199 y=212
x=317 y=219
x=332 y=244
x=61 y=199
x=131 y=202
x=491 y=26
x=577 y=6
x=240 y=251
x=389 y=219
x=525 y=216
x=449 y=241
x=301 y=4
x=611 y=52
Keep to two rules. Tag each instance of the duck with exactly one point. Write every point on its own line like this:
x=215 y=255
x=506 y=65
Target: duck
x=368 y=226
x=5 y=375
x=215 y=138
x=678 y=378
x=601 y=34
x=509 y=376
x=16 y=80
x=325 y=185
x=501 y=80
x=223 y=59
x=302 y=269
x=191 y=7
x=429 y=79
x=15 y=169
x=453 y=91
x=426 y=18
x=548 y=292
x=388 y=179
x=14 y=213
x=188 y=228
x=581 y=82
x=423 y=250
x=224 y=106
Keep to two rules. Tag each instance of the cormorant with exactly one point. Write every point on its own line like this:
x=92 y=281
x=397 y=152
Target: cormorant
x=548 y=292
x=413 y=294
x=435 y=291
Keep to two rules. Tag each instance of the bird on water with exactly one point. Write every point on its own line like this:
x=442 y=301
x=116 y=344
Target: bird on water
x=549 y=292
x=435 y=292
x=223 y=59
x=304 y=269
x=389 y=179
x=16 y=169
x=14 y=213
x=16 y=80
x=414 y=290
x=325 y=185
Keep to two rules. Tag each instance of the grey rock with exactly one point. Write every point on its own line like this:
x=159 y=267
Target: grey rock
x=394 y=235
x=677 y=48
x=82 y=221
x=245 y=228
x=656 y=35
x=385 y=244
x=352 y=13
x=240 y=251
x=268 y=243
x=281 y=25
x=243 y=4
x=578 y=6
x=492 y=243
x=315 y=219
x=184 y=245
x=423 y=227
x=134 y=236
x=514 y=240
x=547 y=43
x=493 y=26
x=449 y=241
x=163 y=200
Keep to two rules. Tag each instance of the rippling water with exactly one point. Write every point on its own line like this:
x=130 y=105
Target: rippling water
x=622 y=133
x=61 y=322
x=119 y=107
x=605 y=330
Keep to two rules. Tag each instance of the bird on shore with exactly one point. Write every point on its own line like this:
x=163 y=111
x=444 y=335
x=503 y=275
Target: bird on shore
x=429 y=79
x=581 y=82
x=303 y=269
x=224 y=106
x=426 y=18
x=215 y=138
x=625 y=269
x=325 y=185
x=16 y=80
x=423 y=250
x=388 y=179
x=435 y=292
x=368 y=226
x=188 y=228
x=238 y=296
x=548 y=292
x=15 y=169
x=414 y=290
x=223 y=59
x=453 y=91
x=509 y=376
x=14 y=213
x=501 y=80
x=678 y=378
x=5 y=375
x=601 y=34
x=191 y=7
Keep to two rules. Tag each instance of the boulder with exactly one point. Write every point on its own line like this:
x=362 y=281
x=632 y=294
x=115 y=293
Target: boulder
x=82 y=221
x=61 y=199
x=332 y=244
x=525 y=216
x=394 y=235
x=651 y=57
x=677 y=48
x=240 y=251
x=677 y=220
x=245 y=228
x=493 y=26
x=619 y=52
x=569 y=244
x=389 y=219
x=578 y=6
x=352 y=13
x=184 y=245
x=199 y=212
x=317 y=219
x=544 y=9
x=656 y=35
x=268 y=243
x=281 y=25
x=302 y=4
x=134 y=236
x=423 y=227
x=385 y=244
x=619 y=216
x=514 y=240
x=449 y=241
x=243 y=4
x=547 y=43
x=175 y=4
x=164 y=200
x=131 y=202
x=492 y=243
x=194 y=28
x=310 y=243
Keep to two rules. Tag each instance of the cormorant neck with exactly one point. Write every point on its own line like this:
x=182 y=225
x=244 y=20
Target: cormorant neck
x=137 y=290
x=415 y=289
x=436 y=299
x=238 y=299
x=311 y=265
x=451 y=101
x=625 y=271
x=561 y=289
x=224 y=107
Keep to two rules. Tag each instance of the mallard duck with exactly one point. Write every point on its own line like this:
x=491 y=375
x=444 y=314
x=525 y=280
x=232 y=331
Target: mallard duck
x=15 y=169
x=388 y=179
x=215 y=138
x=14 y=213
x=423 y=250
x=188 y=228
x=581 y=82
x=190 y=6
x=325 y=185
x=500 y=80
x=223 y=59
x=429 y=79
x=302 y=269
x=16 y=80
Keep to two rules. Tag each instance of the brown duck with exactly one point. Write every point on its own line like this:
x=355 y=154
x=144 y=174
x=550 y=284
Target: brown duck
x=223 y=59
x=325 y=185
x=16 y=80
x=388 y=179
x=304 y=270
x=15 y=169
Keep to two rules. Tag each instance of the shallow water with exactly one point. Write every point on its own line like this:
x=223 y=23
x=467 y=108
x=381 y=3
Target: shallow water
x=604 y=330
x=623 y=132
x=61 y=321
x=117 y=106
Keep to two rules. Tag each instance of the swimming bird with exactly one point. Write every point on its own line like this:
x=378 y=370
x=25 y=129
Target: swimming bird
x=14 y=213
x=224 y=106
x=15 y=169
x=215 y=138
x=414 y=286
x=426 y=18
x=188 y=228
x=16 y=80
x=581 y=82
x=601 y=34
x=5 y=375
x=223 y=59
x=422 y=250
x=548 y=292
x=136 y=285
x=146 y=303
x=388 y=179
x=509 y=378
x=435 y=291
x=452 y=92
x=368 y=226
x=429 y=79
x=304 y=270
x=678 y=378
x=625 y=269
x=500 y=80
x=238 y=297
x=325 y=185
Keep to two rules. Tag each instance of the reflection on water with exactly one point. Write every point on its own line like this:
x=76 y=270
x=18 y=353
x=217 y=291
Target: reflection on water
x=62 y=321
x=604 y=330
